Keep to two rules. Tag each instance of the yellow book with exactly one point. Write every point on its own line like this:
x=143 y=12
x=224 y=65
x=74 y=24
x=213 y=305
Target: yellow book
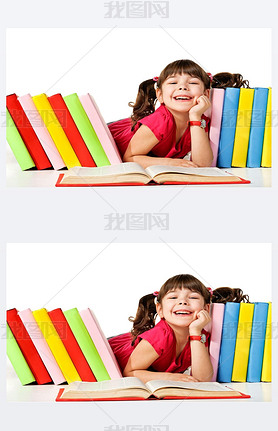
x=243 y=338
x=56 y=346
x=266 y=369
x=56 y=131
x=266 y=154
x=244 y=115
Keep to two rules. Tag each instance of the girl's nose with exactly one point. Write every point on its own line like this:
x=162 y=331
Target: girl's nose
x=183 y=302
x=183 y=87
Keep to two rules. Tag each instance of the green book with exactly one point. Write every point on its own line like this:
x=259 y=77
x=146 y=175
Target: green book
x=17 y=145
x=86 y=129
x=18 y=361
x=86 y=344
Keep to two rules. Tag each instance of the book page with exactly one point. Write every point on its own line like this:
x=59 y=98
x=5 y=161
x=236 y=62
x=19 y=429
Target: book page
x=206 y=172
x=106 y=385
x=153 y=385
x=121 y=168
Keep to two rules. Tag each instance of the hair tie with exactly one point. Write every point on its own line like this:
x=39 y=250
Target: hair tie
x=155 y=79
x=156 y=293
x=210 y=76
x=210 y=291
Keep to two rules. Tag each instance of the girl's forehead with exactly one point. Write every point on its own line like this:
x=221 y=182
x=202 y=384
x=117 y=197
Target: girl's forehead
x=181 y=290
x=182 y=75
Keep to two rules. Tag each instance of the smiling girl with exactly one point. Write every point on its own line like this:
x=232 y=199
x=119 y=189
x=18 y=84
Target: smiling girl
x=166 y=350
x=178 y=128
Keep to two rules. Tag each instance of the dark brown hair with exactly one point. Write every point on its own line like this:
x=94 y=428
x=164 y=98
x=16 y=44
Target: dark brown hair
x=226 y=79
x=146 y=312
x=146 y=97
x=227 y=294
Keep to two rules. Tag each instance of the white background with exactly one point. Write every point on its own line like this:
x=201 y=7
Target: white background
x=111 y=63
x=111 y=279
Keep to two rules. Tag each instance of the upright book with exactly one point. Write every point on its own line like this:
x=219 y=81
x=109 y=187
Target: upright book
x=217 y=100
x=266 y=368
x=131 y=173
x=217 y=316
x=132 y=388
x=257 y=342
x=266 y=154
x=243 y=339
x=68 y=339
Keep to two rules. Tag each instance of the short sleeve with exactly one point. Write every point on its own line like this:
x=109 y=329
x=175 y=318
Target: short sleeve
x=156 y=337
x=158 y=122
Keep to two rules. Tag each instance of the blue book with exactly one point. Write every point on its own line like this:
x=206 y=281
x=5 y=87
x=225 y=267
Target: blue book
x=228 y=342
x=228 y=128
x=257 y=342
x=256 y=137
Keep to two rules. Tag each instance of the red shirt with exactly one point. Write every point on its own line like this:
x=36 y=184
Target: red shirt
x=162 y=339
x=163 y=126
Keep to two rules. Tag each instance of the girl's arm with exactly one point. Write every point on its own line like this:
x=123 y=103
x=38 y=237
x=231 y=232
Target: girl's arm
x=142 y=358
x=201 y=367
x=142 y=143
x=201 y=152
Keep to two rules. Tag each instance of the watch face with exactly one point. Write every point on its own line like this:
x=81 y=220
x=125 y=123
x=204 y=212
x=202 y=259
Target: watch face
x=203 y=338
x=203 y=123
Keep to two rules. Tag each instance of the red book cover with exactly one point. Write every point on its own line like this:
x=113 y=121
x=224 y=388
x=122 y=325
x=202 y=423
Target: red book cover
x=27 y=133
x=27 y=347
x=67 y=122
x=65 y=333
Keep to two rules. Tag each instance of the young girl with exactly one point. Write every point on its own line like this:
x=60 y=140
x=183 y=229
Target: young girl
x=166 y=135
x=179 y=341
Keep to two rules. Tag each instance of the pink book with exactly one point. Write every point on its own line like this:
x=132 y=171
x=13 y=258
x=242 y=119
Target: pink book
x=101 y=129
x=41 y=131
x=217 y=100
x=101 y=343
x=217 y=314
x=41 y=345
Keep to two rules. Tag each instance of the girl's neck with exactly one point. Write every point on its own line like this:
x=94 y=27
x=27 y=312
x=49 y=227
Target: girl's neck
x=181 y=334
x=180 y=118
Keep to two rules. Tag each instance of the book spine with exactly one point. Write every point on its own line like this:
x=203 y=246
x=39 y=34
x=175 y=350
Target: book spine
x=17 y=359
x=17 y=145
x=257 y=342
x=56 y=345
x=266 y=154
x=66 y=335
x=101 y=343
x=243 y=123
x=41 y=345
x=56 y=131
x=228 y=342
x=217 y=101
x=228 y=127
x=257 y=128
x=27 y=347
x=86 y=344
x=100 y=127
x=217 y=316
x=65 y=119
x=243 y=338
x=28 y=135
x=266 y=368
x=86 y=129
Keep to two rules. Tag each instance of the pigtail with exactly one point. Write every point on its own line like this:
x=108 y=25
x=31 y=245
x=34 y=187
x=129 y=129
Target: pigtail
x=226 y=79
x=145 y=316
x=145 y=101
x=227 y=294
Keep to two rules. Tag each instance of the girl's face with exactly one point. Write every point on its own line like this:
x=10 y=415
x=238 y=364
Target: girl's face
x=179 y=92
x=179 y=307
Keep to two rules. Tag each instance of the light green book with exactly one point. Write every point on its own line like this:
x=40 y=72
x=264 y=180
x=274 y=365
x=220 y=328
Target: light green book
x=86 y=344
x=18 y=361
x=86 y=129
x=17 y=145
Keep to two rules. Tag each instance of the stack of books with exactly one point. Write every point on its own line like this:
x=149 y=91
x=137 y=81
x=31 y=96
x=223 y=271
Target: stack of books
x=58 y=132
x=58 y=347
x=240 y=130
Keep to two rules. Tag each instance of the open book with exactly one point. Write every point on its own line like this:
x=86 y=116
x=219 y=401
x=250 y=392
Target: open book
x=128 y=388
x=131 y=173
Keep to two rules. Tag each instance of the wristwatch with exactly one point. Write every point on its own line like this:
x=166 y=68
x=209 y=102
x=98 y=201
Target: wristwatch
x=202 y=338
x=201 y=123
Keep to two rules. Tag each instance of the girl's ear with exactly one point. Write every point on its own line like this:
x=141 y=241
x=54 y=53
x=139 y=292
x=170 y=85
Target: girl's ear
x=159 y=310
x=159 y=95
x=207 y=307
x=206 y=93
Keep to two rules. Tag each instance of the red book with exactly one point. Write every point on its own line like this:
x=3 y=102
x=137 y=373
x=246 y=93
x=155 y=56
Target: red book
x=27 y=347
x=67 y=122
x=71 y=345
x=27 y=133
